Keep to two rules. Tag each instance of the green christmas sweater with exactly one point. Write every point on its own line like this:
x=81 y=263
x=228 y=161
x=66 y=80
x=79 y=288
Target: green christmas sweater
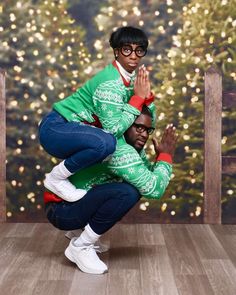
x=126 y=164
x=106 y=96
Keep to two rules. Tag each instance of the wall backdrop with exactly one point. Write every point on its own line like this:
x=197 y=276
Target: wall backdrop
x=50 y=48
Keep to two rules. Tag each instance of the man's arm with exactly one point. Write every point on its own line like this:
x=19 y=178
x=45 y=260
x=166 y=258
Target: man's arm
x=127 y=164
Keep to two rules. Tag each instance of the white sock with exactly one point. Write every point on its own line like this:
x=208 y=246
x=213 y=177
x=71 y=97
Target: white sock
x=60 y=171
x=87 y=237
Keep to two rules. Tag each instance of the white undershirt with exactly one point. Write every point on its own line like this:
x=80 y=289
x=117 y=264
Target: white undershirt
x=128 y=76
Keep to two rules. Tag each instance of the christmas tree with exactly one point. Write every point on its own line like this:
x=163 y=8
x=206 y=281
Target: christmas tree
x=159 y=19
x=208 y=37
x=43 y=53
x=84 y=12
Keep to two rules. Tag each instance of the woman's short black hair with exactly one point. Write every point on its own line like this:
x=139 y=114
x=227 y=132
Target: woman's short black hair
x=128 y=35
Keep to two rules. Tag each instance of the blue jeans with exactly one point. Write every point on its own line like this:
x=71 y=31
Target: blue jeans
x=101 y=208
x=79 y=144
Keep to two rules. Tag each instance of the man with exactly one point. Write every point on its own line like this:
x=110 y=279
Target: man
x=114 y=187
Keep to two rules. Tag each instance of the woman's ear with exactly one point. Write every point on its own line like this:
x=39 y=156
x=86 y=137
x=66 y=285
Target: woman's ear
x=116 y=53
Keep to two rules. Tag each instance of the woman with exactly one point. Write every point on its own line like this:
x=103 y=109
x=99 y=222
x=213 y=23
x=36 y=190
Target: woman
x=111 y=100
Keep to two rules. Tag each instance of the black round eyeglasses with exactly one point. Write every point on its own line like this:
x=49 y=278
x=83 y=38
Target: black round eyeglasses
x=141 y=128
x=127 y=50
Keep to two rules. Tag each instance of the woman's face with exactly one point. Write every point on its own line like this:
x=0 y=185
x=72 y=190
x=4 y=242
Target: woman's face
x=129 y=56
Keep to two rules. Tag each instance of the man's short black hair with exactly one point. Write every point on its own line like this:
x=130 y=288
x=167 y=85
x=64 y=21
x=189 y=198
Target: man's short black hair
x=128 y=35
x=146 y=111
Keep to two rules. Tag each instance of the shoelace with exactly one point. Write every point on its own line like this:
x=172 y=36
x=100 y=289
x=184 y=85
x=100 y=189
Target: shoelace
x=87 y=248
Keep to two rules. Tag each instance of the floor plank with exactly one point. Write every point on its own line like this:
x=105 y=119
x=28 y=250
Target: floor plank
x=156 y=271
x=222 y=276
x=183 y=255
x=226 y=234
x=194 y=285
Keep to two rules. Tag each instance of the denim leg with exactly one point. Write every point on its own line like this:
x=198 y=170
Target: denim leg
x=79 y=144
x=111 y=211
x=101 y=208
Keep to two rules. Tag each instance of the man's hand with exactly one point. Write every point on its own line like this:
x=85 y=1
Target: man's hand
x=168 y=141
x=142 y=83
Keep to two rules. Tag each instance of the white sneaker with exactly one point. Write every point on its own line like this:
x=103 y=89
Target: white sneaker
x=85 y=258
x=99 y=246
x=63 y=188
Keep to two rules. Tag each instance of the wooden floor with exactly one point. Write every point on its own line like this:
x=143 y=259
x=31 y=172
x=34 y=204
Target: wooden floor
x=144 y=259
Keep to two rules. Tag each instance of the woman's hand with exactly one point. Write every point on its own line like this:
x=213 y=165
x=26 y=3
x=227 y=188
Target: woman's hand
x=142 y=83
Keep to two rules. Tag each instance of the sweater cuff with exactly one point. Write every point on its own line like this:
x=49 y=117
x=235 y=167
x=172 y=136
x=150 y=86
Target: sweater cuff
x=164 y=157
x=149 y=99
x=50 y=197
x=137 y=102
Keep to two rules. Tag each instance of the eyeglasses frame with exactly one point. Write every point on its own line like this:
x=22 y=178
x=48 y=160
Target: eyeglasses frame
x=132 y=50
x=149 y=130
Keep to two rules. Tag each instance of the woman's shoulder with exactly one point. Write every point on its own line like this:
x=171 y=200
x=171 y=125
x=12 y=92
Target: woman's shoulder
x=108 y=73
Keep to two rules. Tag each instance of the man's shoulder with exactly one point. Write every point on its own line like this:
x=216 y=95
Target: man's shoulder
x=124 y=155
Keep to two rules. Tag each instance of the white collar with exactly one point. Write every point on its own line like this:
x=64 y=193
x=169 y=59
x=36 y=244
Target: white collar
x=128 y=76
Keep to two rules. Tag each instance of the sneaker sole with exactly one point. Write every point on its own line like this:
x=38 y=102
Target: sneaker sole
x=80 y=266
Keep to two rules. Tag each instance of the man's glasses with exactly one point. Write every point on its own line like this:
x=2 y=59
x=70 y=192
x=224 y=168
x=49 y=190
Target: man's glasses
x=127 y=50
x=141 y=128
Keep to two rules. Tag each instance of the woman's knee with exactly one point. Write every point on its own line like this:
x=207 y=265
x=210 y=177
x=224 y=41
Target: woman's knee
x=106 y=145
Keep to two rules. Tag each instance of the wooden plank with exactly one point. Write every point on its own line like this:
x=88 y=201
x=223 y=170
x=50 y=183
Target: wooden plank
x=150 y=234
x=229 y=99
x=124 y=281
x=226 y=234
x=2 y=147
x=212 y=146
x=20 y=286
x=86 y=284
x=205 y=242
x=20 y=230
x=222 y=276
x=184 y=258
x=228 y=165
x=124 y=253
x=194 y=285
x=52 y=287
x=157 y=275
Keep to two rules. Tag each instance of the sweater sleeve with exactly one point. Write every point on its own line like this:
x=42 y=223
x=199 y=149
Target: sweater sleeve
x=115 y=115
x=127 y=164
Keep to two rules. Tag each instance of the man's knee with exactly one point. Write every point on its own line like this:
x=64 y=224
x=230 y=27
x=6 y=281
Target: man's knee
x=132 y=194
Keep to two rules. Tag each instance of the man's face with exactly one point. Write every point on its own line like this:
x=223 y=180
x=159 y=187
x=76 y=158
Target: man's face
x=135 y=138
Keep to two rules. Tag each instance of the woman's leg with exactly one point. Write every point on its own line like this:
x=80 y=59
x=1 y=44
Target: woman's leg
x=79 y=144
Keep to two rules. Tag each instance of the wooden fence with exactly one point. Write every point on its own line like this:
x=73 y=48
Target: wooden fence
x=2 y=147
x=214 y=163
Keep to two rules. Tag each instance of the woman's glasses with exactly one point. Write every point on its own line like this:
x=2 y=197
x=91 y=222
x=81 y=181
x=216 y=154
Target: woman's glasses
x=141 y=128
x=127 y=50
